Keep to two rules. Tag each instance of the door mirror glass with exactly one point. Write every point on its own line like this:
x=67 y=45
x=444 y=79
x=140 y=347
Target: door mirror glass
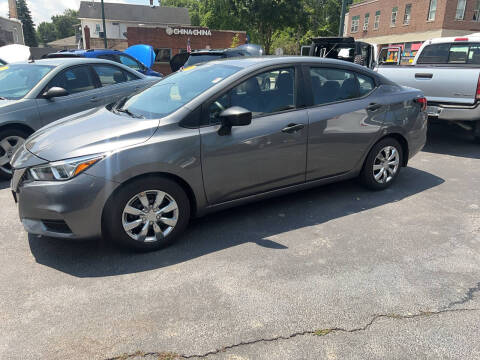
x=54 y=92
x=236 y=116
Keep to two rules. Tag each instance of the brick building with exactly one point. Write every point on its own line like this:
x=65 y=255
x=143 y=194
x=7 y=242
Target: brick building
x=169 y=41
x=408 y=23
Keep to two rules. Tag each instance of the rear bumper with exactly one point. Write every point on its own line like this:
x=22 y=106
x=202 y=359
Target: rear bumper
x=67 y=209
x=454 y=112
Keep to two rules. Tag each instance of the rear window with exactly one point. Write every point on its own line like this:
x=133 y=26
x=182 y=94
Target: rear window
x=450 y=53
x=195 y=59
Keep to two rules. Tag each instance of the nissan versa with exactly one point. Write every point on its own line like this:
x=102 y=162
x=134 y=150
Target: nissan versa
x=210 y=137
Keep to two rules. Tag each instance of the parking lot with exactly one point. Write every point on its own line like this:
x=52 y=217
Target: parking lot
x=335 y=272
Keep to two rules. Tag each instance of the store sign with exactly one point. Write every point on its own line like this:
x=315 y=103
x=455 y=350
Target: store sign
x=192 y=32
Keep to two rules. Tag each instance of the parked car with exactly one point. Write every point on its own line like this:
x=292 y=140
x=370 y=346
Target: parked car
x=447 y=70
x=186 y=59
x=343 y=48
x=35 y=94
x=137 y=57
x=211 y=137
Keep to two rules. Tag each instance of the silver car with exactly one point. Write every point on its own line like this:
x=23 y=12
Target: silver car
x=37 y=93
x=210 y=137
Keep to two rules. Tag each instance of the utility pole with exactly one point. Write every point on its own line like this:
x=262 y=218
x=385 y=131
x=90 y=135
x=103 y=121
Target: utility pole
x=104 y=26
x=342 y=18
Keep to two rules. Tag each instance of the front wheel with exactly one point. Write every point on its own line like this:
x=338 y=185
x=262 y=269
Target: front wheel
x=382 y=165
x=10 y=141
x=147 y=214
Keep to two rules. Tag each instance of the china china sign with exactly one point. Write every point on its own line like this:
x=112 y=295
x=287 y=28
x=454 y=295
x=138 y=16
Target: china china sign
x=192 y=32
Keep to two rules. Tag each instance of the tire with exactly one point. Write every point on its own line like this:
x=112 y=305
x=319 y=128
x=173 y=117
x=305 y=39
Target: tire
x=116 y=214
x=10 y=141
x=476 y=132
x=370 y=176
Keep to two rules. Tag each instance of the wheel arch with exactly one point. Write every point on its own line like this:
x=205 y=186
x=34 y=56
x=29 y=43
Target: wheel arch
x=17 y=126
x=183 y=184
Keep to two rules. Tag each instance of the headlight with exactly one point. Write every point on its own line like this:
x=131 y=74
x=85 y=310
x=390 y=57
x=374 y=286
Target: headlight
x=65 y=169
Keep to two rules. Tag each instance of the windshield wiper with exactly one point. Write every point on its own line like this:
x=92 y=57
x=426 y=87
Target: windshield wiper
x=129 y=113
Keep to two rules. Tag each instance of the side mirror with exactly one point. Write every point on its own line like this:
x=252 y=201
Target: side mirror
x=236 y=116
x=55 y=92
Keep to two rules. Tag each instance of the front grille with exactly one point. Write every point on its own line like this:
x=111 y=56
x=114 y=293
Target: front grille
x=58 y=226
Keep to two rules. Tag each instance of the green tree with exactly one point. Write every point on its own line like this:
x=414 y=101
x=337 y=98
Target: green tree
x=28 y=26
x=265 y=17
x=46 y=32
x=192 y=6
x=64 y=24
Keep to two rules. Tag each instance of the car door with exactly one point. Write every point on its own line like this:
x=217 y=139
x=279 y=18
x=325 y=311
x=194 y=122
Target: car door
x=268 y=154
x=346 y=114
x=84 y=93
x=116 y=82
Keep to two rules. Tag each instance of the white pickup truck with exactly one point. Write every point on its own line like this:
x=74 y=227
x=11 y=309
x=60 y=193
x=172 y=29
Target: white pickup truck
x=447 y=70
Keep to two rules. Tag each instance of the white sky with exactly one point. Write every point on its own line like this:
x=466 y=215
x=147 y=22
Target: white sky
x=43 y=10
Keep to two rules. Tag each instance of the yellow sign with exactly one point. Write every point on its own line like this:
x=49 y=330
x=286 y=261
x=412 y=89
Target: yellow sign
x=189 y=68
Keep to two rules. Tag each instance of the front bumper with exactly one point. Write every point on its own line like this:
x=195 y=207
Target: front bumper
x=63 y=209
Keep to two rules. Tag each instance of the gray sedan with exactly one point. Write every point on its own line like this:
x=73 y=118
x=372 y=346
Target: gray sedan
x=210 y=137
x=37 y=93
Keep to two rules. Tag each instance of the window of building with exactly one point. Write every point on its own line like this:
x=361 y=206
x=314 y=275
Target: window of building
x=366 y=21
x=97 y=29
x=432 y=10
x=163 y=55
x=376 y=24
x=355 y=24
x=408 y=13
x=394 y=16
x=460 y=14
x=476 y=12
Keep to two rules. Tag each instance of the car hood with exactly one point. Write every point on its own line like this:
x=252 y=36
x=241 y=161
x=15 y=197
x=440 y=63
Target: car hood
x=89 y=132
x=143 y=53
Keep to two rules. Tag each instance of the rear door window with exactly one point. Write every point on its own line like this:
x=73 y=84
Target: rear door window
x=332 y=85
x=111 y=75
x=435 y=54
x=75 y=80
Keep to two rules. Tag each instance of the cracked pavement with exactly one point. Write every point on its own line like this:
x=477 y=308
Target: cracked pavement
x=336 y=272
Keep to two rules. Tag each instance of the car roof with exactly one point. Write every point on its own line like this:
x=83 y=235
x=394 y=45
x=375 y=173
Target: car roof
x=245 y=62
x=66 y=61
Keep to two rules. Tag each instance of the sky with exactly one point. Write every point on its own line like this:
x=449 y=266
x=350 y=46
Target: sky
x=43 y=10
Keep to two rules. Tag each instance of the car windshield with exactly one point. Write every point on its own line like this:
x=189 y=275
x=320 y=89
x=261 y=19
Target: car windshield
x=16 y=80
x=176 y=90
x=195 y=59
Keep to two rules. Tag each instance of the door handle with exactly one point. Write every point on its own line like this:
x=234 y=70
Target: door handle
x=373 y=107
x=291 y=128
x=94 y=99
x=423 y=76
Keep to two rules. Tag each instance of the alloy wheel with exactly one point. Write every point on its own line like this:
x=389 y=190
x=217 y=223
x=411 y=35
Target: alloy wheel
x=150 y=216
x=8 y=146
x=386 y=164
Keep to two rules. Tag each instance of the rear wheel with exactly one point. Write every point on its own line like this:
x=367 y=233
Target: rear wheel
x=476 y=132
x=147 y=214
x=10 y=141
x=382 y=165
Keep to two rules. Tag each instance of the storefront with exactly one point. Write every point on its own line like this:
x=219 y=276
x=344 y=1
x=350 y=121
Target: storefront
x=169 y=41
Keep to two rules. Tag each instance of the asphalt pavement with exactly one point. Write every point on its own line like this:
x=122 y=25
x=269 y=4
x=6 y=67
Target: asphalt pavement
x=337 y=272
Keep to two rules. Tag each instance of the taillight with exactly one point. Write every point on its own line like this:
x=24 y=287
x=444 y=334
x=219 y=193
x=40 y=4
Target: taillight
x=423 y=102
x=461 y=39
x=477 y=96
